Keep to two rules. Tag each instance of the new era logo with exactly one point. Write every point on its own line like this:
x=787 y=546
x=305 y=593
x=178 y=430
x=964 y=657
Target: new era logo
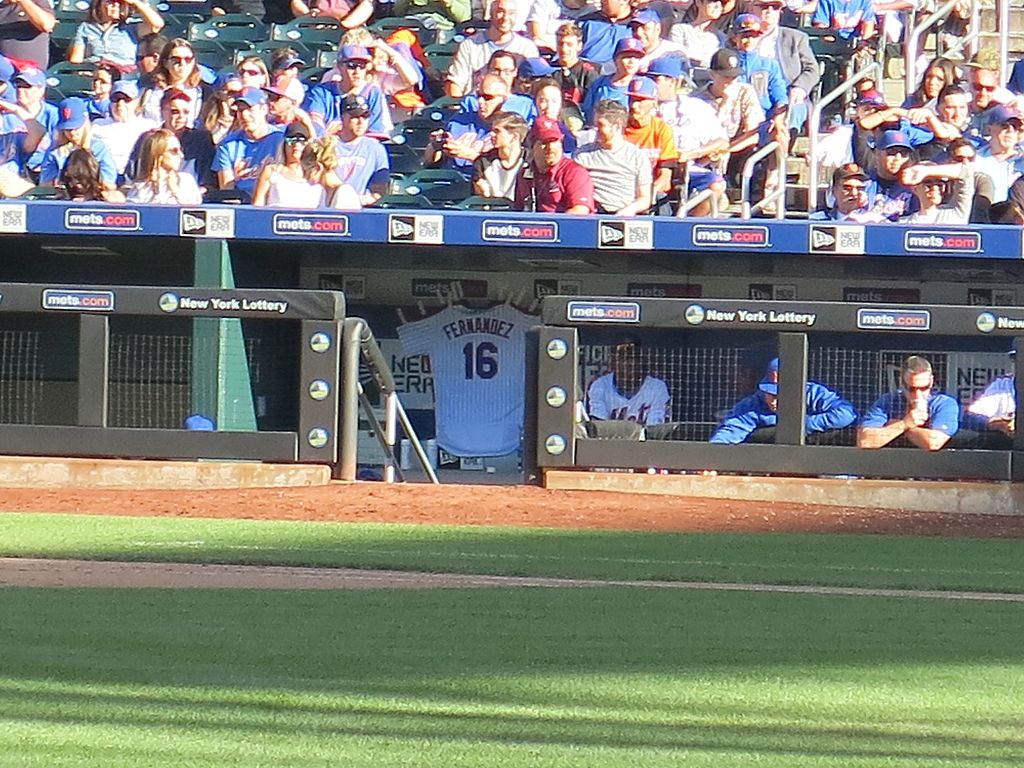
x=193 y=222
x=823 y=239
x=197 y=222
x=611 y=234
x=402 y=229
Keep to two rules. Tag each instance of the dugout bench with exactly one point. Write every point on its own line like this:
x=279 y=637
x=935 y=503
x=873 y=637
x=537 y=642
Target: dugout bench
x=556 y=439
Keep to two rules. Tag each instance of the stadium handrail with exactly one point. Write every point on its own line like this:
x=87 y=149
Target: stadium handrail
x=814 y=126
x=778 y=196
x=914 y=38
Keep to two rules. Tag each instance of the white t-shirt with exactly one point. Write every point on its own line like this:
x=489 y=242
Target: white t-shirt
x=651 y=404
x=121 y=137
x=474 y=52
x=999 y=400
x=477 y=357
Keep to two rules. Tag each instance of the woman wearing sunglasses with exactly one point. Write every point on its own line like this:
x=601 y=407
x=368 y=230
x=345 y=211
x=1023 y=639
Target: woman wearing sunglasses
x=285 y=184
x=177 y=70
x=253 y=72
x=159 y=180
x=107 y=35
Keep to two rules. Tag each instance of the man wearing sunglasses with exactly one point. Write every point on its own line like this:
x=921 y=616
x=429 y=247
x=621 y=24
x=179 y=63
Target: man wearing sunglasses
x=349 y=78
x=925 y=418
x=467 y=135
x=849 y=188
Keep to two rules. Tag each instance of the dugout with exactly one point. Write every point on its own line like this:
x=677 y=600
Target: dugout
x=88 y=370
x=711 y=353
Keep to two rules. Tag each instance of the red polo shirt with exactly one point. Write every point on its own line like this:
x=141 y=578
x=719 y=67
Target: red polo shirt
x=566 y=185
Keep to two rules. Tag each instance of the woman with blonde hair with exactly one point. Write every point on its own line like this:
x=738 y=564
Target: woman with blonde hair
x=159 y=180
x=177 y=69
x=319 y=161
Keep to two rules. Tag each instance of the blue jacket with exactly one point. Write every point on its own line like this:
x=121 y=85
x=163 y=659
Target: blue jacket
x=766 y=76
x=825 y=410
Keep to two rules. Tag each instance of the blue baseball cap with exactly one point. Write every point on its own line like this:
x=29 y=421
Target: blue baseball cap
x=354 y=53
x=251 y=96
x=1002 y=114
x=129 y=88
x=535 y=67
x=630 y=46
x=199 y=423
x=642 y=88
x=892 y=139
x=770 y=383
x=645 y=16
x=667 y=66
x=73 y=112
x=31 y=76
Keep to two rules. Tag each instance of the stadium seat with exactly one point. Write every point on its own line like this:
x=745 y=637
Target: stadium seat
x=308 y=30
x=64 y=32
x=415 y=132
x=177 y=24
x=41 y=193
x=449 y=104
x=442 y=187
x=480 y=203
x=230 y=30
x=403 y=201
x=403 y=160
x=71 y=9
x=326 y=58
x=214 y=55
x=314 y=75
x=440 y=56
x=70 y=79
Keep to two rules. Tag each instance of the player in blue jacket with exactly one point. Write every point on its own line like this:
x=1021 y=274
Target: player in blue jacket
x=826 y=411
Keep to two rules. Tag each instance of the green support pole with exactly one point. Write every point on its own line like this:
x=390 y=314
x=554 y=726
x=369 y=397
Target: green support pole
x=221 y=387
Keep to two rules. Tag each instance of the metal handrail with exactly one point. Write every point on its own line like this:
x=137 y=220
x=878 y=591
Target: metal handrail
x=359 y=343
x=747 y=210
x=914 y=39
x=687 y=205
x=814 y=124
x=1003 y=7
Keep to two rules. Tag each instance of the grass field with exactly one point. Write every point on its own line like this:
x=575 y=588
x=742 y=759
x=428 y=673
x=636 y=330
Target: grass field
x=511 y=677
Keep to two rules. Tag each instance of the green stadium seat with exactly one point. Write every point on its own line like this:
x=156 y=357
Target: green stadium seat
x=403 y=201
x=230 y=30
x=442 y=187
x=481 y=203
x=403 y=160
x=415 y=132
x=214 y=55
x=177 y=24
x=41 y=193
x=64 y=32
x=66 y=9
x=70 y=79
x=449 y=104
x=308 y=30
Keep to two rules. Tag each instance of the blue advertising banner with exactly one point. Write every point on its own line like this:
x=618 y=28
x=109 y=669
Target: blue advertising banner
x=488 y=228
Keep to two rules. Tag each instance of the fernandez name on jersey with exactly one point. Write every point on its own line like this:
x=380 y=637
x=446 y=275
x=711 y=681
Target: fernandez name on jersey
x=491 y=325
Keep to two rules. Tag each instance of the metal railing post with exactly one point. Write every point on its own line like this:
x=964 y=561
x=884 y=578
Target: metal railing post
x=748 y=174
x=390 y=433
x=814 y=126
x=348 y=448
x=914 y=43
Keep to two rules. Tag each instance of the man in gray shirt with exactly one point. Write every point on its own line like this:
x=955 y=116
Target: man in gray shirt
x=25 y=27
x=621 y=172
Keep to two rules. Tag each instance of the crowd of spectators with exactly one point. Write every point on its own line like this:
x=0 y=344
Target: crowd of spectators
x=553 y=105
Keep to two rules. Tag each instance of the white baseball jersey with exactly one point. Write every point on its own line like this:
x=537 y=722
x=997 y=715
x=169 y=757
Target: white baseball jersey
x=650 y=405
x=477 y=358
x=999 y=400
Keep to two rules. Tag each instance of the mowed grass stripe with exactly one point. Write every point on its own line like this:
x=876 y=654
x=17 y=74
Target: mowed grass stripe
x=554 y=677
x=986 y=565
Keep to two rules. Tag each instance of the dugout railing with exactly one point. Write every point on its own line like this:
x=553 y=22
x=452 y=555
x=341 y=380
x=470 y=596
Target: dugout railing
x=556 y=433
x=218 y=381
